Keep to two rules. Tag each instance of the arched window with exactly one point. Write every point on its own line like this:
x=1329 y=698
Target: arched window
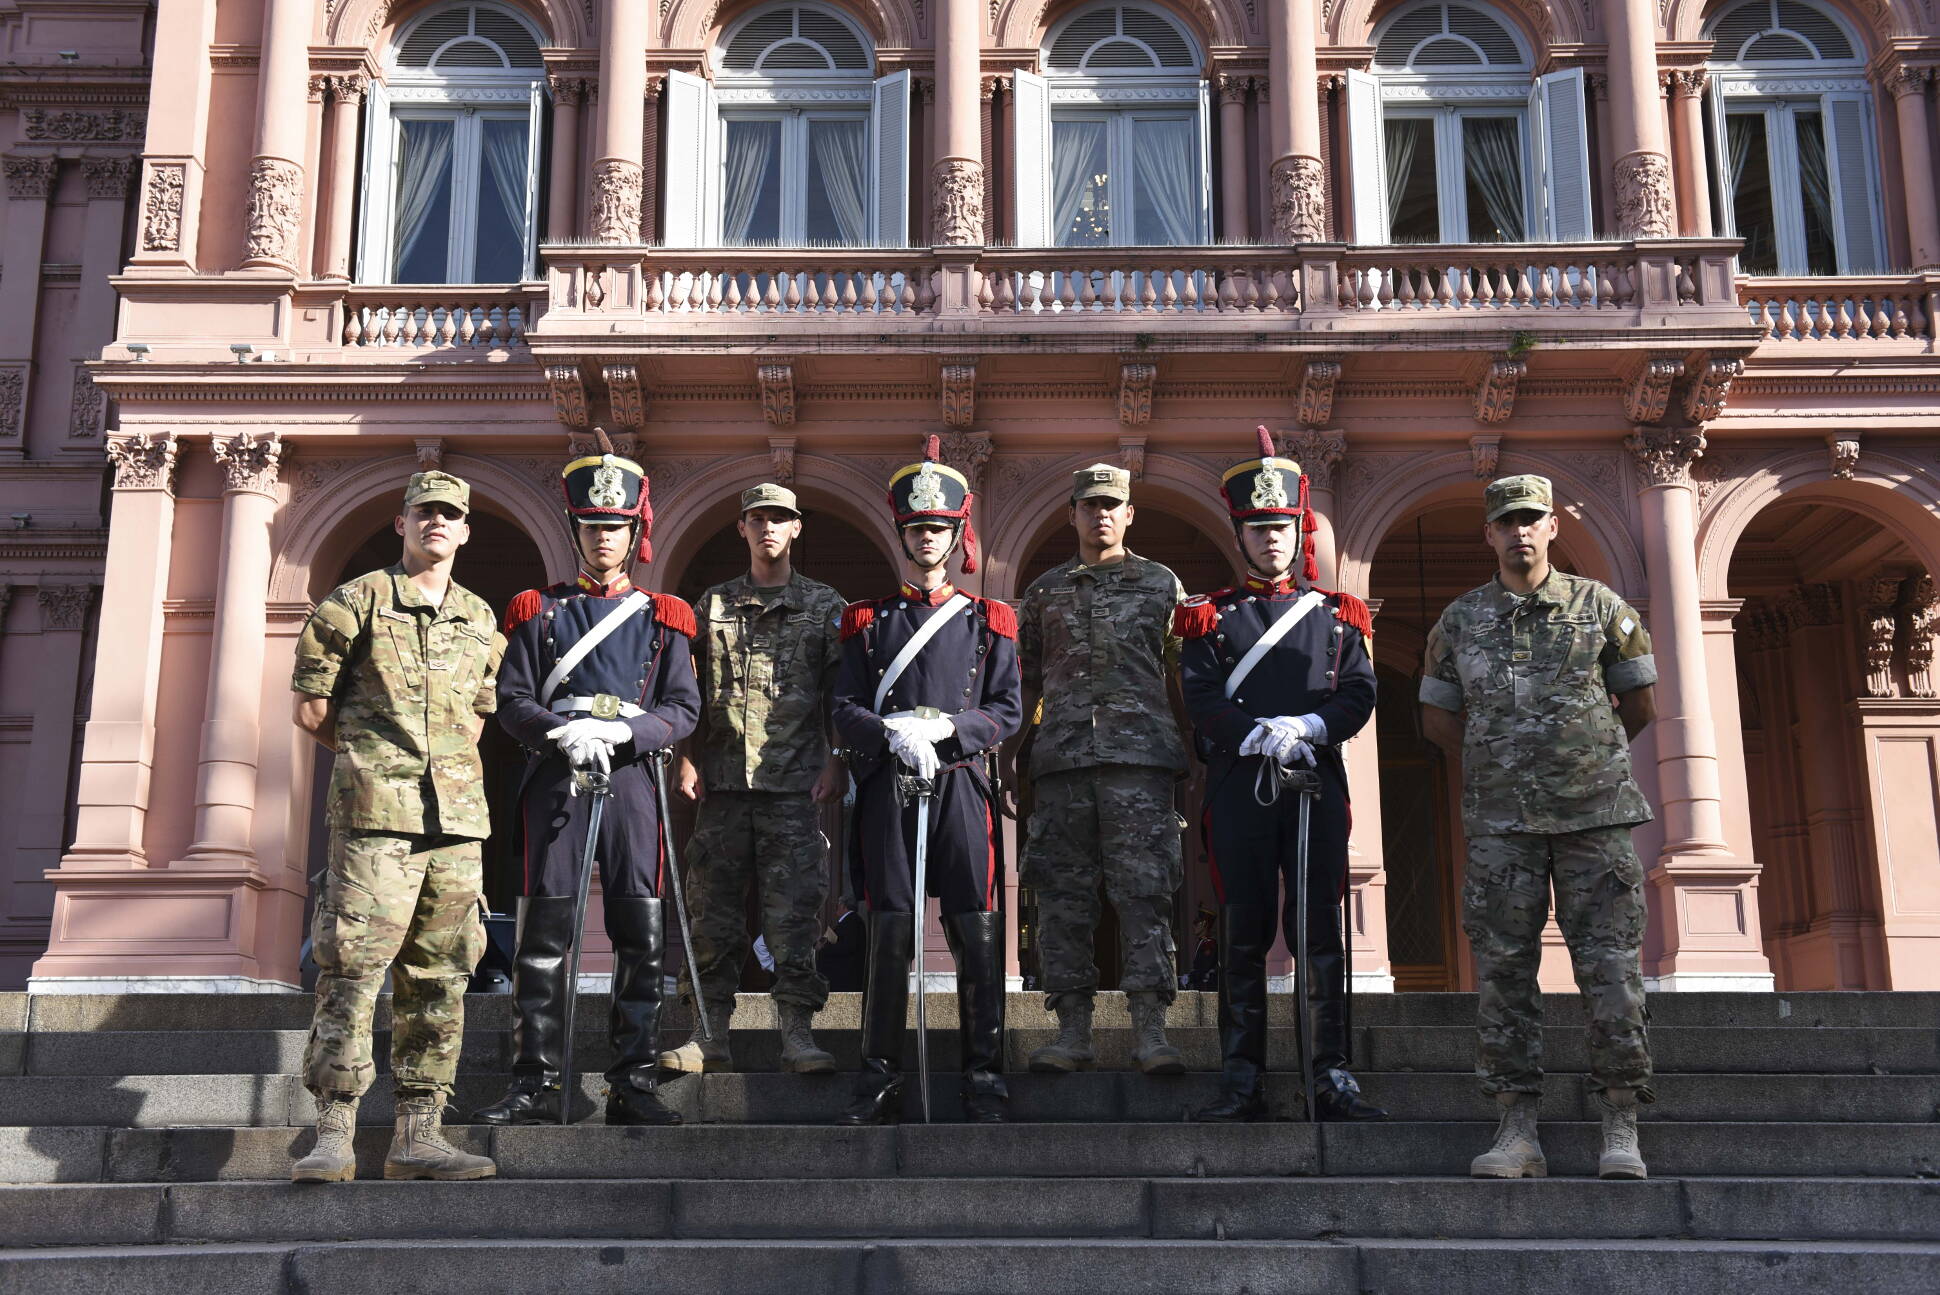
x=793 y=143
x=451 y=152
x=1795 y=161
x=1456 y=143
x=1113 y=140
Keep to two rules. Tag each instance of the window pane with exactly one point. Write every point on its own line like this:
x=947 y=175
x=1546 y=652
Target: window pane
x=501 y=202
x=1815 y=186
x=421 y=228
x=1492 y=165
x=1414 y=213
x=751 y=183
x=1751 y=191
x=1080 y=184
x=838 y=182
x=1165 y=167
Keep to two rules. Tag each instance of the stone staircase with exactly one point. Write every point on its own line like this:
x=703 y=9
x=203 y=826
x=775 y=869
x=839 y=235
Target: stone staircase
x=145 y=1144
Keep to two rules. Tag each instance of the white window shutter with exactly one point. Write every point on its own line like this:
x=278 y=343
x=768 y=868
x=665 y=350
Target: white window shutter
x=1722 y=192
x=1563 y=150
x=691 y=190
x=1205 y=161
x=1031 y=114
x=889 y=178
x=374 y=239
x=1368 y=151
x=535 y=120
x=1852 y=168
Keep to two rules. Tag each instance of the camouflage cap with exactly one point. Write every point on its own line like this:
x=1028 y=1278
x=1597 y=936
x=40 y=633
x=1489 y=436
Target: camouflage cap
x=1101 y=479
x=437 y=488
x=1510 y=494
x=769 y=495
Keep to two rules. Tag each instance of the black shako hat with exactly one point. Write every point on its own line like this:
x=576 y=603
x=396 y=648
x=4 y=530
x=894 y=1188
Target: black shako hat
x=1269 y=490
x=933 y=491
x=606 y=487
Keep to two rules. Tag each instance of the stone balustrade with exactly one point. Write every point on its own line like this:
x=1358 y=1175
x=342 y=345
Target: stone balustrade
x=438 y=316
x=1898 y=308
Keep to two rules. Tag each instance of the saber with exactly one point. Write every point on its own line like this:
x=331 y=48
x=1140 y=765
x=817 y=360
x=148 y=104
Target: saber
x=599 y=787
x=1347 y=969
x=1307 y=783
x=661 y=759
x=920 y=790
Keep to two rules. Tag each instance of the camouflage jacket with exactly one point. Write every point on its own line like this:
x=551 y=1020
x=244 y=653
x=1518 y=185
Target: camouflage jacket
x=767 y=672
x=409 y=680
x=1543 y=749
x=1098 y=644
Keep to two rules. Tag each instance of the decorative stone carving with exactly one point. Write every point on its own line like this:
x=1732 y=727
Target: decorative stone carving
x=29 y=177
x=348 y=91
x=248 y=460
x=1686 y=82
x=1484 y=453
x=1232 y=89
x=431 y=453
x=112 y=126
x=1318 y=453
x=580 y=445
x=1495 y=395
x=13 y=399
x=1903 y=80
x=567 y=91
x=625 y=444
x=1299 y=200
x=1136 y=379
x=1647 y=393
x=956 y=203
x=64 y=607
x=628 y=399
x=161 y=207
x=144 y=460
x=1843 y=455
x=617 y=186
x=1317 y=392
x=275 y=210
x=108 y=177
x=781 y=459
x=1131 y=456
x=1813 y=605
x=1646 y=207
x=568 y=394
x=959 y=393
x=777 y=393
x=1921 y=614
x=1665 y=456
x=1711 y=378
x=969 y=453
x=88 y=409
x=1882 y=627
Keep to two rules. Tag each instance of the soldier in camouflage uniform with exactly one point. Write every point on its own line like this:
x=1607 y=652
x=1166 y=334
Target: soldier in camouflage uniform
x=768 y=647
x=395 y=673
x=1095 y=640
x=1517 y=685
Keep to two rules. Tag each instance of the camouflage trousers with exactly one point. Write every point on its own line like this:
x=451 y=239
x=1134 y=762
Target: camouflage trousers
x=1600 y=908
x=411 y=905
x=1115 y=824
x=773 y=842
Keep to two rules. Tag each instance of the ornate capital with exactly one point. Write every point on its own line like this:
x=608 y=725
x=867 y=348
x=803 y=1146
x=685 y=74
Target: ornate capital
x=1920 y=614
x=1299 y=200
x=616 y=201
x=1318 y=453
x=1317 y=381
x=568 y=394
x=959 y=392
x=87 y=411
x=567 y=91
x=1495 y=395
x=1843 y=453
x=248 y=460
x=781 y=459
x=319 y=86
x=1882 y=627
x=625 y=394
x=1687 y=83
x=987 y=87
x=275 y=210
x=1711 y=378
x=1645 y=205
x=969 y=453
x=1232 y=89
x=1903 y=80
x=64 y=607
x=1599 y=87
x=1484 y=453
x=1813 y=605
x=349 y=90
x=161 y=207
x=1647 y=393
x=925 y=88
x=144 y=460
x=956 y=202
x=29 y=177
x=1665 y=455
x=431 y=453
x=109 y=177
x=1136 y=379
x=777 y=393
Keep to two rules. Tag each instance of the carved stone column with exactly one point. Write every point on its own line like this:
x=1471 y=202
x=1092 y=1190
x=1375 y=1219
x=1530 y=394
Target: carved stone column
x=1708 y=890
x=956 y=178
x=1921 y=618
x=109 y=180
x=344 y=111
x=40 y=825
x=562 y=187
x=618 y=178
x=1297 y=199
x=274 y=215
x=1687 y=142
x=30 y=183
x=1882 y=623
x=1641 y=170
x=1234 y=227
x=1909 y=88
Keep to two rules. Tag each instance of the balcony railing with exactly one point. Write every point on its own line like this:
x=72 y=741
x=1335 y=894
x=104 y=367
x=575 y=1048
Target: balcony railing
x=438 y=316
x=1897 y=308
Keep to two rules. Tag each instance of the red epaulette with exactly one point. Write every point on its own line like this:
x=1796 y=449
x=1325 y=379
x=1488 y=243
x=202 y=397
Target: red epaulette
x=675 y=614
x=999 y=616
x=1349 y=610
x=523 y=608
x=857 y=617
x=1195 y=617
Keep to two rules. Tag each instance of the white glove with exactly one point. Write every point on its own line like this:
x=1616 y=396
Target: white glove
x=589 y=743
x=1289 y=751
x=1311 y=728
x=1255 y=743
x=914 y=752
x=932 y=731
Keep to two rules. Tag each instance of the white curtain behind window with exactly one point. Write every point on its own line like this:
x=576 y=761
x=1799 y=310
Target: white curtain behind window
x=1165 y=166
x=1494 y=166
x=1399 y=139
x=750 y=154
x=424 y=168
x=1077 y=154
x=1742 y=130
x=505 y=159
x=1812 y=169
x=841 y=156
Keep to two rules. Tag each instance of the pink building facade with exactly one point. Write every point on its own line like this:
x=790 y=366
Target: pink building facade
x=264 y=258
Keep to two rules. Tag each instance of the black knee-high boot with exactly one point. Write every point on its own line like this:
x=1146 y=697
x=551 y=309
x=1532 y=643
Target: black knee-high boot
x=977 y=940
x=639 y=953
x=539 y=1005
x=885 y=1000
x=1244 y=934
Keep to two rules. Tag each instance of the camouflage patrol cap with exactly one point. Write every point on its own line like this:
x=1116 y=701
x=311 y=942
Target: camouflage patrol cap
x=1510 y=494
x=770 y=495
x=1101 y=479
x=438 y=488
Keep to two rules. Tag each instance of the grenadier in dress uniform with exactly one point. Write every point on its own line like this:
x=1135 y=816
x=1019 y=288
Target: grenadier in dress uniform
x=928 y=683
x=1276 y=670
x=598 y=675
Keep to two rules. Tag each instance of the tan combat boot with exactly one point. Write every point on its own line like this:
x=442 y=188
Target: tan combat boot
x=1516 y=1153
x=1620 y=1158
x=1072 y=1048
x=419 y=1149
x=1151 y=1054
x=334 y=1158
x=699 y=1055
x=799 y=1055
